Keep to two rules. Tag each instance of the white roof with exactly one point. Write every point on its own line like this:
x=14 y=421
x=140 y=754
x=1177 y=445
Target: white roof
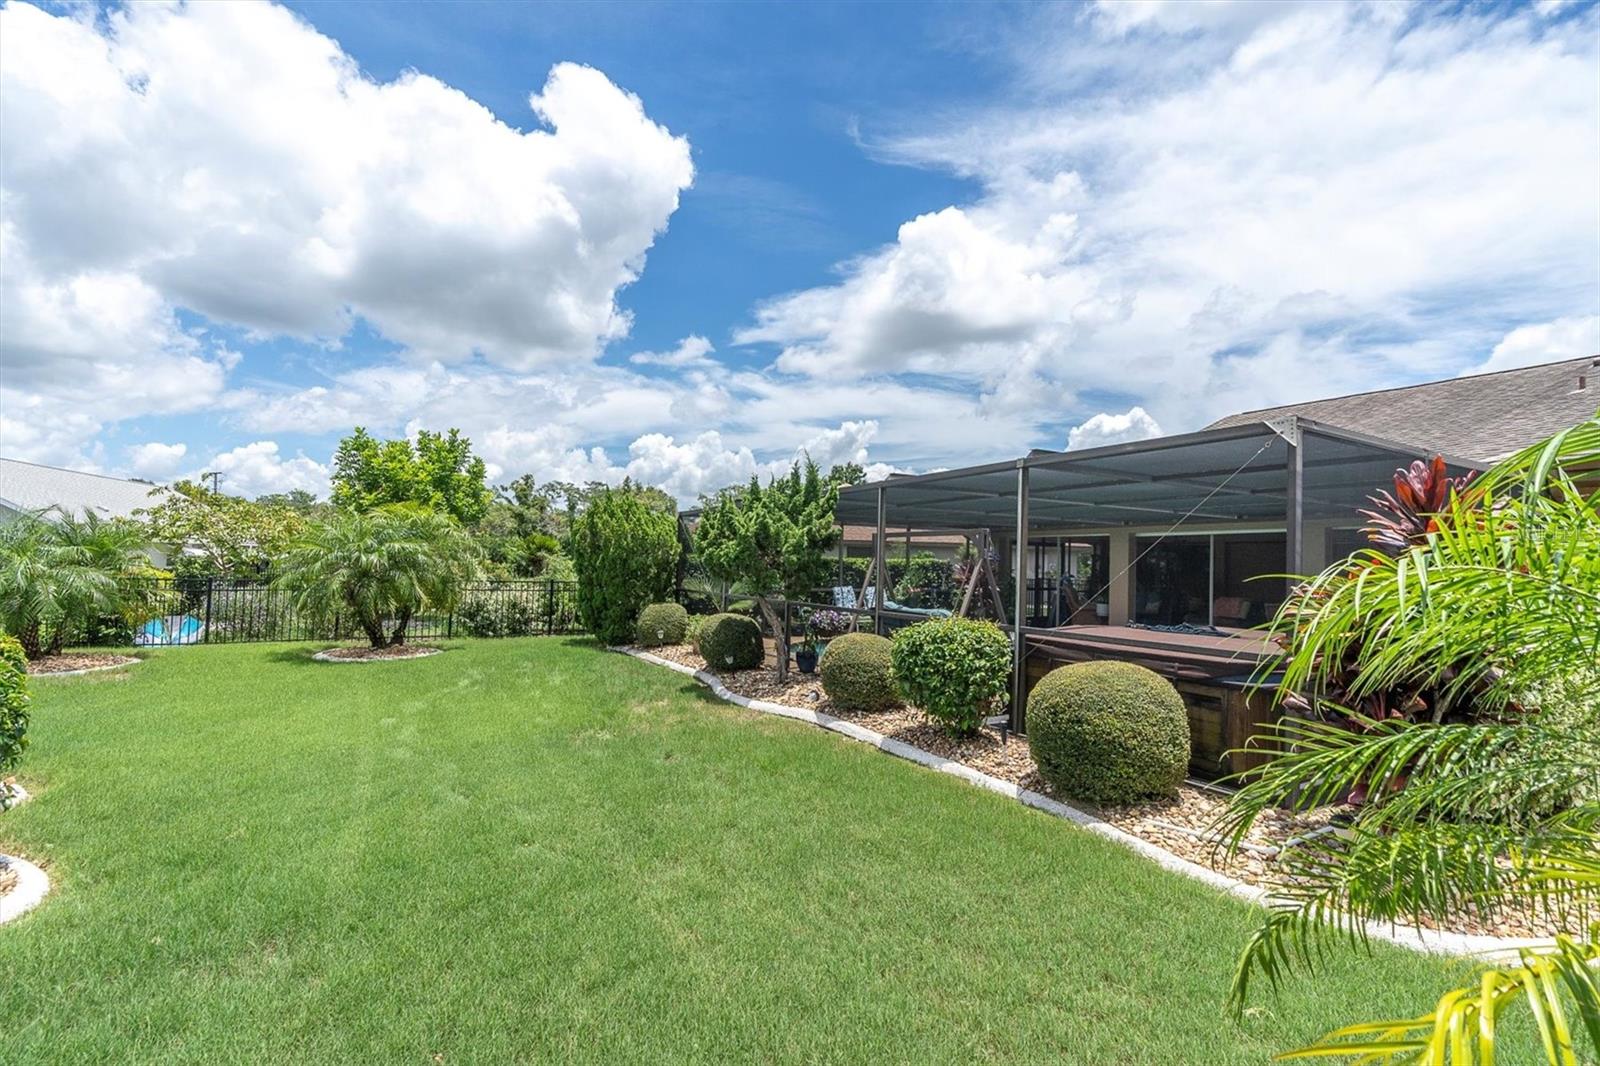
x=31 y=487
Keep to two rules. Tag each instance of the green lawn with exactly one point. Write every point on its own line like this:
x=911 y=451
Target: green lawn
x=527 y=850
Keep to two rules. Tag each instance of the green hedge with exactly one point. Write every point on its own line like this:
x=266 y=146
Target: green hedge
x=856 y=674
x=952 y=669
x=626 y=554
x=662 y=623
x=730 y=642
x=1109 y=732
x=13 y=704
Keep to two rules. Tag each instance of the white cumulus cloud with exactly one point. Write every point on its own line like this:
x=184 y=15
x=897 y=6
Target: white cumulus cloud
x=229 y=161
x=259 y=468
x=1565 y=338
x=1106 y=428
x=693 y=351
x=155 y=459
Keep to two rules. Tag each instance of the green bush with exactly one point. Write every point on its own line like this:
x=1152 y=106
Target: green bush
x=503 y=615
x=952 y=669
x=13 y=705
x=730 y=642
x=663 y=623
x=1109 y=732
x=855 y=673
x=626 y=554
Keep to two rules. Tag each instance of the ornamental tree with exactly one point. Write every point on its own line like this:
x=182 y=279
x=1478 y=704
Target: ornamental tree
x=438 y=472
x=230 y=534
x=774 y=539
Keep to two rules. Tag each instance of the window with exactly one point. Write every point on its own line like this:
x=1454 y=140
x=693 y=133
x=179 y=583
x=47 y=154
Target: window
x=1210 y=580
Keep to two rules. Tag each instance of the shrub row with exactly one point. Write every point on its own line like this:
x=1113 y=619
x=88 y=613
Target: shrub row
x=13 y=706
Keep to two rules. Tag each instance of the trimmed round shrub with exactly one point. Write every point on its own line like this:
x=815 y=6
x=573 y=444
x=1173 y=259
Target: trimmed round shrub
x=663 y=623
x=13 y=706
x=1109 y=732
x=730 y=642
x=856 y=672
x=952 y=669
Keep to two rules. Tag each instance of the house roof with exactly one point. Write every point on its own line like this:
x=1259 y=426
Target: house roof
x=863 y=534
x=32 y=487
x=1482 y=416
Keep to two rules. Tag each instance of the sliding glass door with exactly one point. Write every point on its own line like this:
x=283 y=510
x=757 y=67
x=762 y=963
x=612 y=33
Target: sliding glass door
x=1226 y=579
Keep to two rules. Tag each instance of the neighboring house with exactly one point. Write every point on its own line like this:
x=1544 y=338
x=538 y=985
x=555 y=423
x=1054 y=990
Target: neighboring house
x=1186 y=537
x=902 y=543
x=34 y=487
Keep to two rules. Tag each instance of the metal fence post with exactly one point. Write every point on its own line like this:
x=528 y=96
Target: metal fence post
x=549 y=607
x=205 y=634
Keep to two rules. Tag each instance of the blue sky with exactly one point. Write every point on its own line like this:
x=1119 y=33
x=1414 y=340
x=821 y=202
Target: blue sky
x=908 y=235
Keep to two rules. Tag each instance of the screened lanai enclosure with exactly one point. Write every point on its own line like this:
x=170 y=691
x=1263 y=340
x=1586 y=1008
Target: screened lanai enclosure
x=1166 y=552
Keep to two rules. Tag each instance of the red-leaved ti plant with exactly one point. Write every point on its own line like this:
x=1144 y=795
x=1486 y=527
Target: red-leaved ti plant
x=1422 y=492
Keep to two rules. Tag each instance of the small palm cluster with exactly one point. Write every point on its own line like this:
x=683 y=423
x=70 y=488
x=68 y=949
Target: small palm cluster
x=379 y=568
x=59 y=571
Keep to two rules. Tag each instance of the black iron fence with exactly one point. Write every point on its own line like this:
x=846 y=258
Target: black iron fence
x=186 y=610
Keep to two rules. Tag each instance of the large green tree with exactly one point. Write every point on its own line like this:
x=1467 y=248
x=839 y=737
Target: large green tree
x=1495 y=807
x=626 y=554
x=520 y=531
x=215 y=533
x=439 y=471
x=773 y=539
x=58 y=570
x=379 y=568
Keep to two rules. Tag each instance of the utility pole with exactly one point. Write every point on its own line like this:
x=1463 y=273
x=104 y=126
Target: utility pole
x=216 y=479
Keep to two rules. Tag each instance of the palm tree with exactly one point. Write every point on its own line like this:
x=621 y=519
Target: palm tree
x=57 y=570
x=1498 y=604
x=380 y=568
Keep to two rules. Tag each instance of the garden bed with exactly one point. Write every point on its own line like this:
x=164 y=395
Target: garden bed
x=77 y=663
x=1182 y=826
x=375 y=655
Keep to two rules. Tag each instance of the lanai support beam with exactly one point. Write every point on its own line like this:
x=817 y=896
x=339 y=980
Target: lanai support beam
x=880 y=569
x=1294 y=495
x=1019 y=567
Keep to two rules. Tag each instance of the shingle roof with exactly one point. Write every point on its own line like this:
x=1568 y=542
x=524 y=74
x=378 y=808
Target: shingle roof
x=31 y=487
x=1480 y=417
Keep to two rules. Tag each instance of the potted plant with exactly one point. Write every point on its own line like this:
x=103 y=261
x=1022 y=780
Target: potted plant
x=805 y=653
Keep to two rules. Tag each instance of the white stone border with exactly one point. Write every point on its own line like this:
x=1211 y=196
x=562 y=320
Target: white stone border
x=133 y=660
x=18 y=794
x=30 y=889
x=324 y=657
x=1431 y=941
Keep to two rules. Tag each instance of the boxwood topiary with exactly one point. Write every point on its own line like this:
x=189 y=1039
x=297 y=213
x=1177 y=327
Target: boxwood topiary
x=952 y=669
x=13 y=705
x=662 y=623
x=730 y=642
x=856 y=673
x=1109 y=732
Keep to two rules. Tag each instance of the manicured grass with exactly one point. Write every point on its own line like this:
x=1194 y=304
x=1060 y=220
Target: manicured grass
x=528 y=850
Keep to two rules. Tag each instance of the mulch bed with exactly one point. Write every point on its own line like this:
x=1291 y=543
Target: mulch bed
x=8 y=877
x=1183 y=826
x=367 y=655
x=66 y=664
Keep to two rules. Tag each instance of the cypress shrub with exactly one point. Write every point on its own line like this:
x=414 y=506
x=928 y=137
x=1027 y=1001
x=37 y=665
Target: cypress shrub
x=1109 y=732
x=626 y=555
x=856 y=673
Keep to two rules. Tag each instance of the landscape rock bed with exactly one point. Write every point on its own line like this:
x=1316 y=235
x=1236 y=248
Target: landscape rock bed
x=1182 y=826
x=77 y=663
x=375 y=655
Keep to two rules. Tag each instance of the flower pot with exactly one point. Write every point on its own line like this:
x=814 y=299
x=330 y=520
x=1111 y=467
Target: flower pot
x=806 y=659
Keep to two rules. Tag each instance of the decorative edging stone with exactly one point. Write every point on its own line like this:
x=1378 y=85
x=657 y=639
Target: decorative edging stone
x=18 y=796
x=31 y=887
x=1430 y=941
x=324 y=657
x=133 y=660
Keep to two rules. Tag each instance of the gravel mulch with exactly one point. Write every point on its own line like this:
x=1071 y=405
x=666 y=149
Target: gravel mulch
x=66 y=664
x=367 y=655
x=1183 y=826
